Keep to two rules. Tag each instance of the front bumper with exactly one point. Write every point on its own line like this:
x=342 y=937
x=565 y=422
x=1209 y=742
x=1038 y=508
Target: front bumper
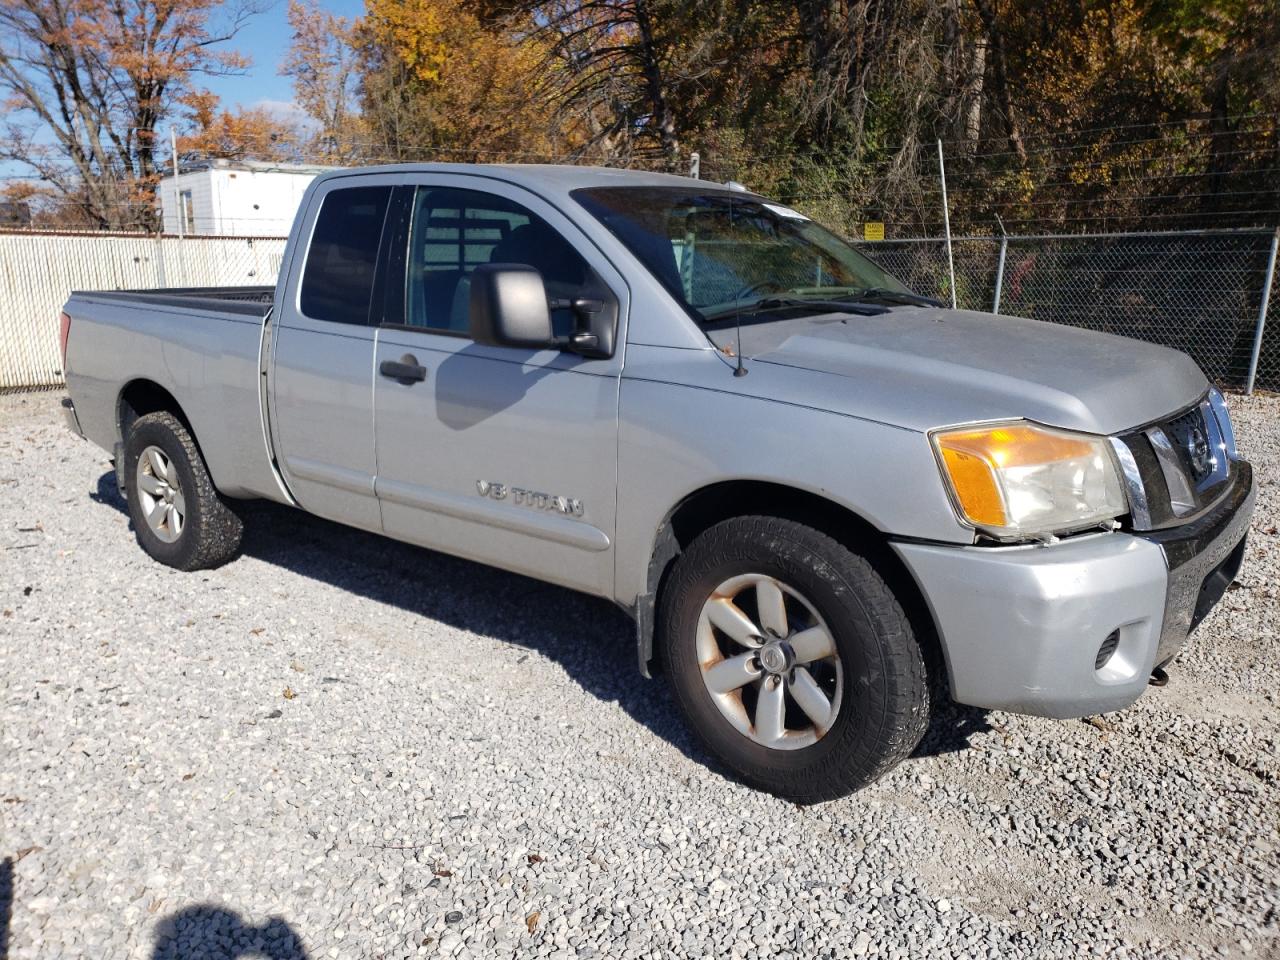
x=1021 y=626
x=1203 y=557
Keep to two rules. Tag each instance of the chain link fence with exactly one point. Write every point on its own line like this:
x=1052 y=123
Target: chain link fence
x=1201 y=292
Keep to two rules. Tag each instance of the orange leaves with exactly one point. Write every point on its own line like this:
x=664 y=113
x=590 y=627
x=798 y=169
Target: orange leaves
x=421 y=33
x=441 y=77
x=322 y=61
x=247 y=133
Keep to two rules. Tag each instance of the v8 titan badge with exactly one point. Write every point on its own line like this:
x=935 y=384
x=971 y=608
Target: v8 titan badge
x=534 y=499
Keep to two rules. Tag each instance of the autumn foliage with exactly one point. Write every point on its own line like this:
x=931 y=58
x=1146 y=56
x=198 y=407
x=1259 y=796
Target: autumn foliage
x=1059 y=111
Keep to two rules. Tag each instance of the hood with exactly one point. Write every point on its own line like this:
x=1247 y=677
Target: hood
x=923 y=368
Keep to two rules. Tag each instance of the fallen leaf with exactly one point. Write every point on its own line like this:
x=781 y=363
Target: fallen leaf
x=531 y=921
x=187 y=776
x=257 y=631
x=1099 y=723
x=535 y=858
x=288 y=693
x=25 y=851
x=442 y=872
x=298 y=667
x=155 y=905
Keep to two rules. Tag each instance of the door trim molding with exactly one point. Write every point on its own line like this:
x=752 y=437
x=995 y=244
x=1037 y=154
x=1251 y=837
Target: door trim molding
x=353 y=481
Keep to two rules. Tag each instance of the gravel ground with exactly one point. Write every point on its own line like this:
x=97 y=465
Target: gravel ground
x=337 y=746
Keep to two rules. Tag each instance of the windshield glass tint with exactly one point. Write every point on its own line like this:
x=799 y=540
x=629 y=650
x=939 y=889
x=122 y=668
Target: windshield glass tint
x=718 y=251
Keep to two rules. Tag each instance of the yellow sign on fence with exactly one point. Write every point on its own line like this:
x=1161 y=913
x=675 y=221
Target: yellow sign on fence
x=873 y=230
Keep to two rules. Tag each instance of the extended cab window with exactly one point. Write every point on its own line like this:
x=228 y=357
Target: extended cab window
x=337 y=283
x=454 y=231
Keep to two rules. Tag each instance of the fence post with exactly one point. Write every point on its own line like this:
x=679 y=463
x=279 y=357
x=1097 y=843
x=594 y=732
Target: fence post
x=695 y=165
x=162 y=279
x=1004 y=246
x=1262 y=313
x=946 y=223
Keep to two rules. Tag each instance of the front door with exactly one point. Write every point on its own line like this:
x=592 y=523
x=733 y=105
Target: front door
x=321 y=378
x=503 y=455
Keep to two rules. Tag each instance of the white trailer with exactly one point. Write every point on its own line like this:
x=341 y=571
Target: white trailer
x=233 y=198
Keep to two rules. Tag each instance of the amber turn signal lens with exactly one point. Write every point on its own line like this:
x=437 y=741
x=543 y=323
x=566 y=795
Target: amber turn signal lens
x=975 y=486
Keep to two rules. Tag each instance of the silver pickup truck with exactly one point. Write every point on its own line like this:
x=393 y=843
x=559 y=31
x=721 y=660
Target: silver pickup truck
x=825 y=500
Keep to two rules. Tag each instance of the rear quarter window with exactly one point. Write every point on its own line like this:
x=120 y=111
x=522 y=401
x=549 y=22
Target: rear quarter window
x=337 y=283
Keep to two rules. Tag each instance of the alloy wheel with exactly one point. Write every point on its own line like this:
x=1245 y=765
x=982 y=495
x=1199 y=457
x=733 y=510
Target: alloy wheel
x=769 y=662
x=160 y=494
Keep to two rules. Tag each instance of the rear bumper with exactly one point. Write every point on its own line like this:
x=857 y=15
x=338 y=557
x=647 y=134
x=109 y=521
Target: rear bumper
x=70 y=418
x=1021 y=626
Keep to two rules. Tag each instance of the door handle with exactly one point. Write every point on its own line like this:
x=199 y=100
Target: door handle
x=406 y=370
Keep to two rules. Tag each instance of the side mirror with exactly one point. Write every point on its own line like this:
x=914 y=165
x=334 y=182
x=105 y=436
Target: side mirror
x=509 y=307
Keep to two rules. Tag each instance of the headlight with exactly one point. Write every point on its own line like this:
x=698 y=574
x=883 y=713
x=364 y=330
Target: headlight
x=1018 y=479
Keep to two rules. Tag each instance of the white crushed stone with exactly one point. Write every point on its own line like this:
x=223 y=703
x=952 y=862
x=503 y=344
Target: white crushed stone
x=470 y=766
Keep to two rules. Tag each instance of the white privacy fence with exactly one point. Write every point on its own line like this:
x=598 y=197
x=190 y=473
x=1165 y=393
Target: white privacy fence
x=38 y=271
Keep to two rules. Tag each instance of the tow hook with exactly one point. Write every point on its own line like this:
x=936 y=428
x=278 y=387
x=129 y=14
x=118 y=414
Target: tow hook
x=1158 y=677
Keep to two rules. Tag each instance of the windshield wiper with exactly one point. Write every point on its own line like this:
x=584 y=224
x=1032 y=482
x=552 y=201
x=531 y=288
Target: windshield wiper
x=896 y=296
x=770 y=304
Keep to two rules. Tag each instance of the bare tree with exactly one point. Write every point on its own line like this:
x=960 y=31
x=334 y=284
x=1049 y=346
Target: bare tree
x=322 y=61
x=612 y=66
x=87 y=83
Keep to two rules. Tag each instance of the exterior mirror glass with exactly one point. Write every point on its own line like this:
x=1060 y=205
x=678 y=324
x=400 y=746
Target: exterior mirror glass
x=509 y=307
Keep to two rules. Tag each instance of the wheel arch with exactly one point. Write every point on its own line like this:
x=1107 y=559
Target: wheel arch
x=140 y=397
x=136 y=399
x=709 y=505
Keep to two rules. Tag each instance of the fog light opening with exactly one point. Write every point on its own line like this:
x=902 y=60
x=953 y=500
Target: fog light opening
x=1107 y=650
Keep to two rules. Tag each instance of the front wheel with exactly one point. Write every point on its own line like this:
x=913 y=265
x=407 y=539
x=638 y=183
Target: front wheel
x=791 y=659
x=178 y=517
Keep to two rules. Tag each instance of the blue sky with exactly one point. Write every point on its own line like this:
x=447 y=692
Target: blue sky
x=265 y=39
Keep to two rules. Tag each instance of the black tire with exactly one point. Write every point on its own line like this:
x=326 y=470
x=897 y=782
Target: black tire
x=884 y=710
x=211 y=532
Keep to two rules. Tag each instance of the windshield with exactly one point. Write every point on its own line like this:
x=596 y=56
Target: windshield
x=720 y=252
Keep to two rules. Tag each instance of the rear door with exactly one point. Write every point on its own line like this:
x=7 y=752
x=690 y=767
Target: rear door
x=321 y=395
x=499 y=454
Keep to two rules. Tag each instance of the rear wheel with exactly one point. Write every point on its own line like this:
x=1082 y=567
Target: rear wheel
x=791 y=658
x=178 y=517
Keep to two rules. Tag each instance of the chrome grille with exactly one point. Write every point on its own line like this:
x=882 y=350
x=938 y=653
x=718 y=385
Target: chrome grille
x=1176 y=468
x=1190 y=436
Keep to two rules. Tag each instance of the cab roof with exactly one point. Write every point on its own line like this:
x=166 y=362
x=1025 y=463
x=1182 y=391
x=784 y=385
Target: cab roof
x=559 y=179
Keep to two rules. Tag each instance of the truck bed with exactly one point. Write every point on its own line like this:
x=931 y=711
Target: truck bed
x=243 y=301
x=202 y=345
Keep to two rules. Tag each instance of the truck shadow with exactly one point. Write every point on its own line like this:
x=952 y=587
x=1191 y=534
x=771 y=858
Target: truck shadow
x=589 y=637
x=216 y=933
x=6 y=904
